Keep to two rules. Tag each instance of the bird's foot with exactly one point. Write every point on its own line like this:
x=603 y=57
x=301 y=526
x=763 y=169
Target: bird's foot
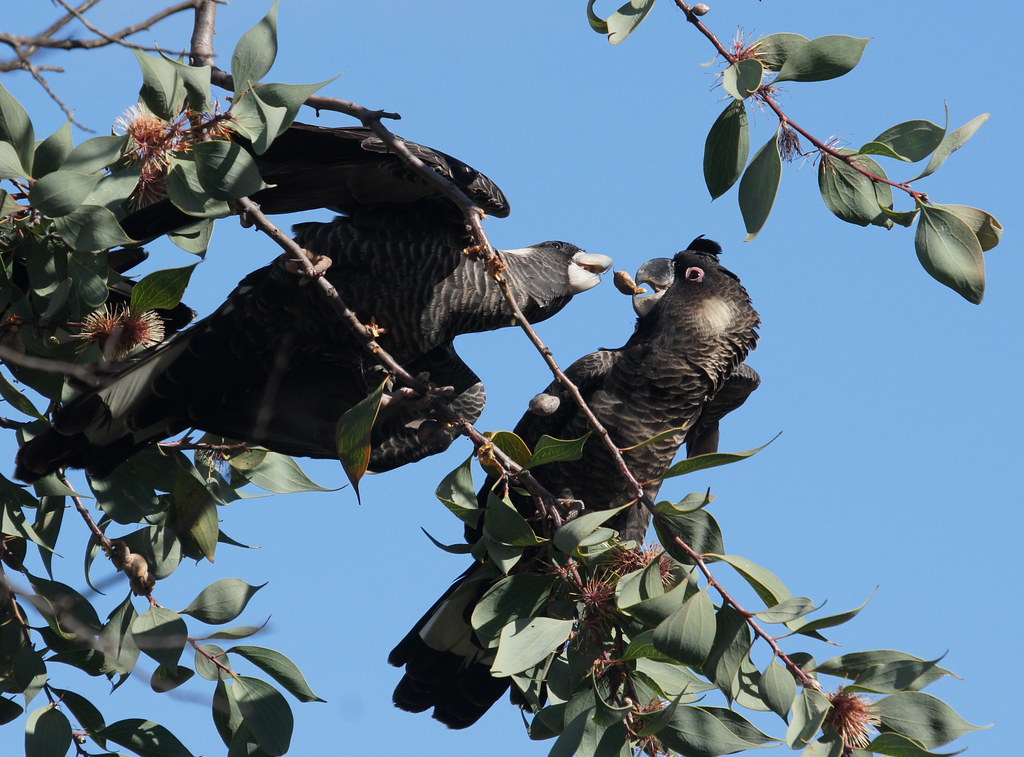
x=320 y=265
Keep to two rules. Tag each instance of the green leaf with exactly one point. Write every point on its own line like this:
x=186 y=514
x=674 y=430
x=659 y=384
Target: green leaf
x=289 y=96
x=187 y=193
x=656 y=609
x=984 y=225
x=504 y=524
x=278 y=473
x=266 y=713
x=950 y=143
x=222 y=601
x=90 y=228
x=809 y=627
x=161 y=289
x=848 y=193
x=16 y=129
x=774 y=50
x=551 y=450
x=922 y=717
x=51 y=153
x=698 y=529
x=10 y=164
x=459 y=548
x=911 y=140
x=161 y=634
x=82 y=709
x=511 y=445
x=162 y=89
x=164 y=680
x=526 y=641
x=194 y=238
x=92 y=290
x=949 y=250
x=259 y=122
x=640 y=585
x=769 y=588
x=777 y=688
x=120 y=653
x=280 y=668
x=726 y=149
x=255 y=52
x=787 y=610
x=809 y=711
x=47 y=733
x=16 y=399
x=207 y=657
x=352 y=437
x=236 y=632
x=144 y=737
x=822 y=58
x=623 y=22
x=569 y=536
x=28 y=672
x=458 y=493
x=695 y=732
x=897 y=676
x=729 y=652
x=96 y=153
x=688 y=634
x=895 y=745
x=743 y=78
x=196 y=81
x=759 y=185
x=8 y=205
x=513 y=597
x=9 y=711
x=672 y=680
x=225 y=170
x=711 y=460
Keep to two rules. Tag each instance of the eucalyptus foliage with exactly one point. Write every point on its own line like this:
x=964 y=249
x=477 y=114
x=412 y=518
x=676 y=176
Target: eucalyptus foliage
x=949 y=240
x=612 y=646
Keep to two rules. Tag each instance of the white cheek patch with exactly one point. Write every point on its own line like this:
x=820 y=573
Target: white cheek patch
x=716 y=315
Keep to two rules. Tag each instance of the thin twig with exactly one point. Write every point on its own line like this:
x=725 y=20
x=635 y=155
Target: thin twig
x=87 y=375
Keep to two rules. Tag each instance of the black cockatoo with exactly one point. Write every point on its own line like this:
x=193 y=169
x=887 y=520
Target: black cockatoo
x=682 y=368
x=274 y=366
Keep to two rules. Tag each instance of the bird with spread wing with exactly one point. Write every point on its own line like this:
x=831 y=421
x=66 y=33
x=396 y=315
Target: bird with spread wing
x=274 y=366
x=683 y=368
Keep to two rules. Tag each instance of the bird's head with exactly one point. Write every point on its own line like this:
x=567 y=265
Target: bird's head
x=690 y=267
x=585 y=268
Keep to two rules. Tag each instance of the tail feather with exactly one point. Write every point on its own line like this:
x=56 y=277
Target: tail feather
x=445 y=667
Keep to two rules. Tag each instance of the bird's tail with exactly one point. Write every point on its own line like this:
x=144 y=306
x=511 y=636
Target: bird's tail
x=105 y=425
x=446 y=668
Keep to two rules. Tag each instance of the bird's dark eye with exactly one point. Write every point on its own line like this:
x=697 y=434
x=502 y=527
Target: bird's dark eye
x=557 y=245
x=693 y=273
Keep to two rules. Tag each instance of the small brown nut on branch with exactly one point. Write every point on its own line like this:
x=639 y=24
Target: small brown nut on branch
x=700 y=9
x=625 y=284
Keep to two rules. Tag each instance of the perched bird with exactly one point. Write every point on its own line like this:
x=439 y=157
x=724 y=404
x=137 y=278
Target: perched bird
x=682 y=368
x=274 y=365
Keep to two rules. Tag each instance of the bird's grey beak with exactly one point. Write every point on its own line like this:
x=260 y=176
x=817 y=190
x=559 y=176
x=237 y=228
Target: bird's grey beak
x=658 y=274
x=585 y=270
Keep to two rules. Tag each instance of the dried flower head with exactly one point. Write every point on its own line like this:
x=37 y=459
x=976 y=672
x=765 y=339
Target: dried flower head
x=598 y=598
x=117 y=331
x=628 y=560
x=789 y=144
x=851 y=716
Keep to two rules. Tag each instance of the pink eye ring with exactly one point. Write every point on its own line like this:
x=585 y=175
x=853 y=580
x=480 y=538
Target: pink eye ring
x=693 y=273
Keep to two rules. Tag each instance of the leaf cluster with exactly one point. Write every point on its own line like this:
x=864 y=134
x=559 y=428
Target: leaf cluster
x=56 y=274
x=614 y=646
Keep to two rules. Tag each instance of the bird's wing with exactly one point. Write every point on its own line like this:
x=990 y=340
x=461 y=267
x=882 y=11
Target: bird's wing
x=703 y=436
x=345 y=169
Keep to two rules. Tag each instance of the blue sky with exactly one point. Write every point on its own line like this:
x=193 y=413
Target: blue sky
x=899 y=402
